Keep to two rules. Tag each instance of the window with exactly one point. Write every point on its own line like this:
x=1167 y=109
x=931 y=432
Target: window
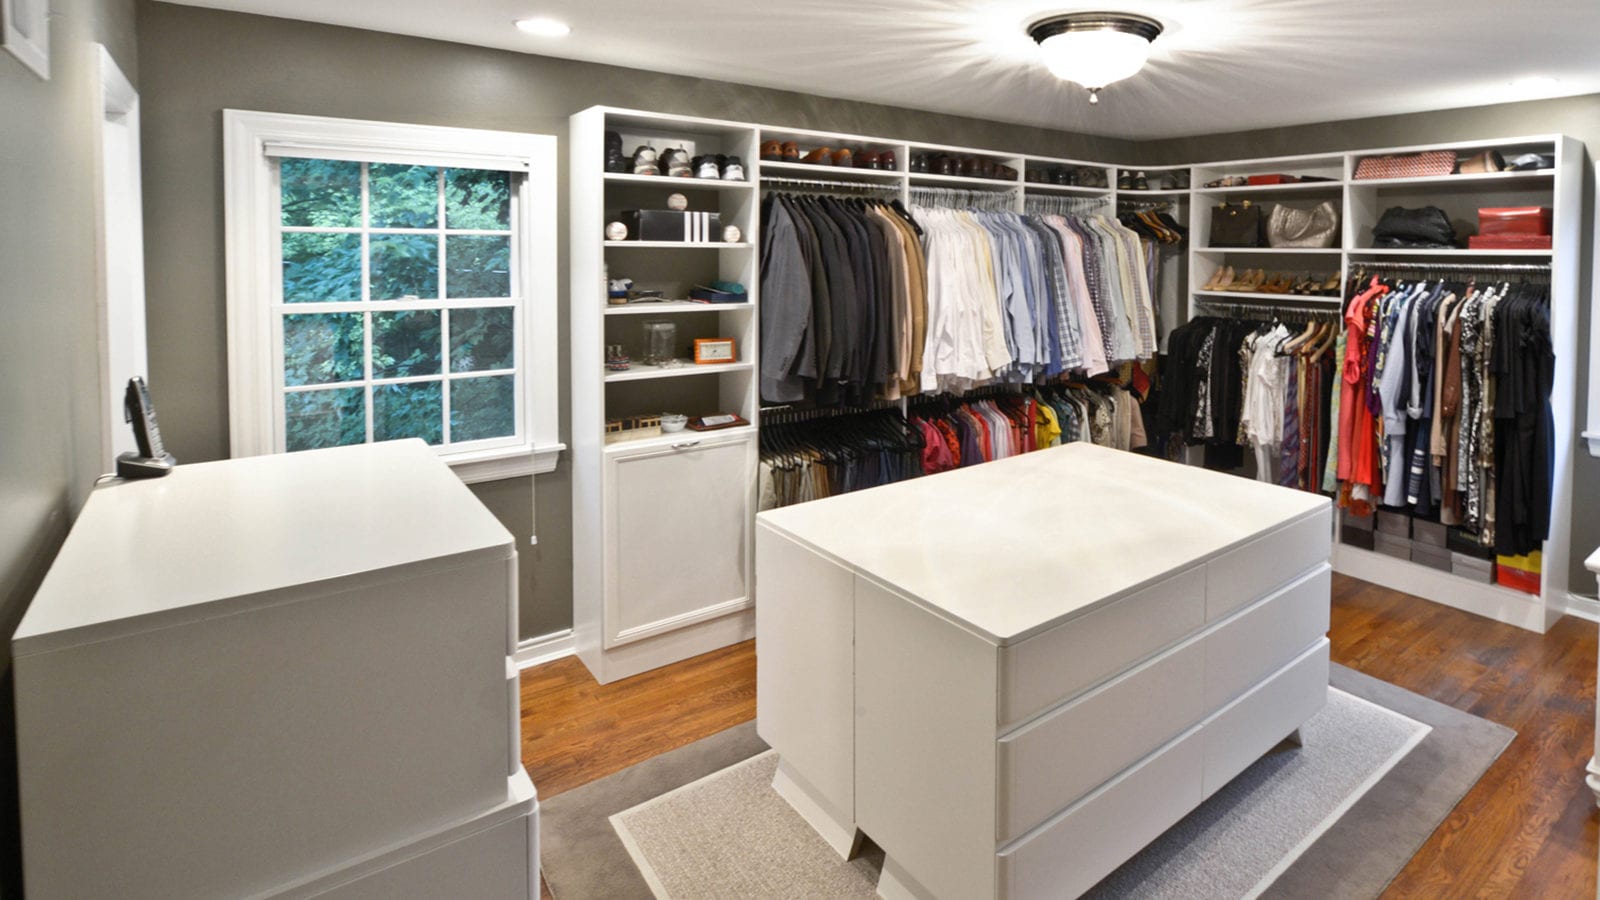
x=392 y=281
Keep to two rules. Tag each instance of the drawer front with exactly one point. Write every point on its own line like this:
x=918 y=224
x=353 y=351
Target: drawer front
x=1250 y=726
x=1245 y=574
x=1064 y=661
x=1261 y=639
x=1087 y=842
x=1064 y=755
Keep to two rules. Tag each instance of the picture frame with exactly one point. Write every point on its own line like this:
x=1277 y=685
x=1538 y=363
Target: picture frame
x=714 y=351
x=25 y=33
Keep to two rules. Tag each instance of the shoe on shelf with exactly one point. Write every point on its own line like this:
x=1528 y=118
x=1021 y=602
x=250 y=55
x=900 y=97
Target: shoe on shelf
x=771 y=151
x=942 y=164
x=617 y=163
x=1140 y=182
x=1220 y=280
x=842 y=158
x=821 y=156
x=887 y=161
x=613 y=142
x=1331 y=286
x=791 y=151
x=1252 y=281
x=644 y=161
x=733 y=169
x=675 y=163
x=867 y=159
x=706 y=167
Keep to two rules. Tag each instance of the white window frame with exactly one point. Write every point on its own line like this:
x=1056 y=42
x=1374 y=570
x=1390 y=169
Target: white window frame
x=251 y=202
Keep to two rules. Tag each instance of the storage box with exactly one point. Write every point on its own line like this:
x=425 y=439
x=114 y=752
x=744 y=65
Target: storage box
x=673 y=225
x=1355 y=537
x=1349 y=520
x=1509 y=242
x=1534 y=220
x=1430 y=555
x=1472 y=568
x=1519 y=572
x=1394 y=523
x=1432 y=534
x=1271 y=179
x=1464 y=542
x=1389 y=545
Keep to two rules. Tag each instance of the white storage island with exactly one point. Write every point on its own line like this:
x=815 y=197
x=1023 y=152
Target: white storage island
x=1012 y=677
x=281 y=676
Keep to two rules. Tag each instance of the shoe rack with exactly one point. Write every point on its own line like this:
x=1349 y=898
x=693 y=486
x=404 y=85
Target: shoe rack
x=662 y=520
x=1361 y=202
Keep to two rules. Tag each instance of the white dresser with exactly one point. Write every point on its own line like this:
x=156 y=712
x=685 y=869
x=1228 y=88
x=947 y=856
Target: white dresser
x=282 y=676
x=1012 y=677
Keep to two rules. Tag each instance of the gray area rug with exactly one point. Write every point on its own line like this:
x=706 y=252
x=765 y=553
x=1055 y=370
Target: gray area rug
x=584 y=856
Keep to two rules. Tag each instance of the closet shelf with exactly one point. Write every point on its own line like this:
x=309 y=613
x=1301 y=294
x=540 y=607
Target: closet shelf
x=1077 y=189
x=1130 y=194
x=680 y=245
x=1257 y=295
x=679 y=183
x=1454 y=254
x=1297 y=187
x=676 y=306
x=830 y=173
x=923 y=179
x=677 y=437
x=1251 y=251
x=645 y=372
x=1533 y=175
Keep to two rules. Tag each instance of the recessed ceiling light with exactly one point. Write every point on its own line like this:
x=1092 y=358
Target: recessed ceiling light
x=543 y=27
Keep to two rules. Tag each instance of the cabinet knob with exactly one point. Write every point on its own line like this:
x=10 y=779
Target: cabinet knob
x=685 y=445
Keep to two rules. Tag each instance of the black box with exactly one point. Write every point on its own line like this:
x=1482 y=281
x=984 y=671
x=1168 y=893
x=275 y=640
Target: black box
x=1426 y=532
x=673 y=225
x=1355 y=537
x=1397 y=524
x=1349 y=520
x=1464 y=542
x=1389 y=545
x=1431 y=556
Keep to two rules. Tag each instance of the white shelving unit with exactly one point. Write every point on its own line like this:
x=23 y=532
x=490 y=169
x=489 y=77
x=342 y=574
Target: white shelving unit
x=1361 y=203
x=662 y=553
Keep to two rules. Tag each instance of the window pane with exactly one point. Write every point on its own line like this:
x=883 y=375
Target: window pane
x=322 y=349
x=404 y=196
x=477 y=200
x=405 y=265
x=478 y=266
x=321 y=193
x=405 y=344
x=321 y=267
x=313 y=419
x=482 y=408
x=481 y=339
x=408 y=410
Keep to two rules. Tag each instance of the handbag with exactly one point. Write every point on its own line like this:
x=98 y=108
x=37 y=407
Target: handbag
x=1411 y=165
x=1236 y=225
x=1314 y=227
x=1424 y=227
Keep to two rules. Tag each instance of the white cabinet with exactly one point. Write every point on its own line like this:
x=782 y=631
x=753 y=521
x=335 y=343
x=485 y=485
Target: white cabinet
x=677 y=538
x=1012 y=677
x=276 y=676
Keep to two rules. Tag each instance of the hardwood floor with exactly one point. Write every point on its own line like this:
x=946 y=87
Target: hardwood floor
x=1527 y=829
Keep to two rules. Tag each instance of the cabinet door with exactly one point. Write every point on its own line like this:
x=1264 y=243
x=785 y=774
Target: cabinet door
x=677 y=534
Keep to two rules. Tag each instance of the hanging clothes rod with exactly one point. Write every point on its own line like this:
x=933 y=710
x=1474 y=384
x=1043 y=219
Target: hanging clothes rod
x=825 y=184
x=1146 y=205
x=1067 y=205
x=999 y=199
x=1330 y=306
x=1452 y=267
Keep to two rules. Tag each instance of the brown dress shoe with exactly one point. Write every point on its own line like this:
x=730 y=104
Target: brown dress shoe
x=887 y=161
x=771 y=151
x=867 y=159
x=822 y=156
x=841 y=157
x=791 y=151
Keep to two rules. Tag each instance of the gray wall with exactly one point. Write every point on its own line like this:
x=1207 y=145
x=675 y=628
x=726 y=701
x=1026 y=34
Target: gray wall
x=49 y=370
x=197 y=62
x=1578 y=117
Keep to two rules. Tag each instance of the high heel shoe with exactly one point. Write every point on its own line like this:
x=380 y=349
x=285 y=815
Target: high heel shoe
x=1331 y=286
x=1220 y=280
x=1255 y=281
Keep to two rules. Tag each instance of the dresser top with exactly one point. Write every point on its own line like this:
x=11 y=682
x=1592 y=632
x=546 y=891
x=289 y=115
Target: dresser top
x=146 y=554
x=1011 y=547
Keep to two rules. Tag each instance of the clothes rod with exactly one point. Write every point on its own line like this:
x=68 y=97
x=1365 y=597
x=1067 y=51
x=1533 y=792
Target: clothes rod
x=823 y=183
x=1452 y=267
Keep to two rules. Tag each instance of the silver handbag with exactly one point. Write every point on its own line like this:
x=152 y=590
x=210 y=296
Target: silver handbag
x=1314 y=227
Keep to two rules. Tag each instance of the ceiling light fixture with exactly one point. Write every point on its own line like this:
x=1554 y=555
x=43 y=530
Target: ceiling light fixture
x=544 y=27
x=1095 y=48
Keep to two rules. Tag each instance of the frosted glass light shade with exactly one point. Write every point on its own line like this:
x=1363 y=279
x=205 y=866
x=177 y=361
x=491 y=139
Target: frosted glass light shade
x=1095 y=58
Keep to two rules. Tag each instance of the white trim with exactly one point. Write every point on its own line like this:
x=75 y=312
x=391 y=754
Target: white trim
x=545 y=648
x=1592 y=778
x=1528 y=611
x=25 y=33
x=1583 y=607
x=120 y=300
x=249 y=199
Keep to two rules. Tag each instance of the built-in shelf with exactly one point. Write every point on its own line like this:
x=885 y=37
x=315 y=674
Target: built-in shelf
x=676 y=306
x=1132 y=193
x=681 y=183
x=1433 y=180
x=1258 y=295
x=644 y=372
x=1460 y=254
x=1295 y=187
x=926 y=179
x=668 y=438
x=770 y=169
x=1072 y=189
x=1251 y=251
x=680 y=245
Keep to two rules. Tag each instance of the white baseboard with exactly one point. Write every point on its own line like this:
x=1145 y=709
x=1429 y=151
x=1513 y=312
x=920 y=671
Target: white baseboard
x=544 y=648
x=1583 y=607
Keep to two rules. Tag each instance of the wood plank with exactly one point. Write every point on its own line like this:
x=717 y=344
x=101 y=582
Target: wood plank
x=1529 y=828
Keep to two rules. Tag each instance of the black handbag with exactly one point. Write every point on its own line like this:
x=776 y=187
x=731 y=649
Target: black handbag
x=1236 y=225
x=1427 y=227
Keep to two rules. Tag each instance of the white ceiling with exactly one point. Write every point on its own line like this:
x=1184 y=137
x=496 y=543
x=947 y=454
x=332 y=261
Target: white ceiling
x=1222 y=65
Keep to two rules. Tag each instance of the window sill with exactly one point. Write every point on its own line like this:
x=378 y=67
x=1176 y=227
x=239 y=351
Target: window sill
x=495 y=465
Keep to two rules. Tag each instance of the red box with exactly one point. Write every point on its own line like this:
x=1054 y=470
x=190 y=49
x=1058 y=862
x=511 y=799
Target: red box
x=1514 y=220
x=1273 y=179
x=1517 y=579
x=1509 y=242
